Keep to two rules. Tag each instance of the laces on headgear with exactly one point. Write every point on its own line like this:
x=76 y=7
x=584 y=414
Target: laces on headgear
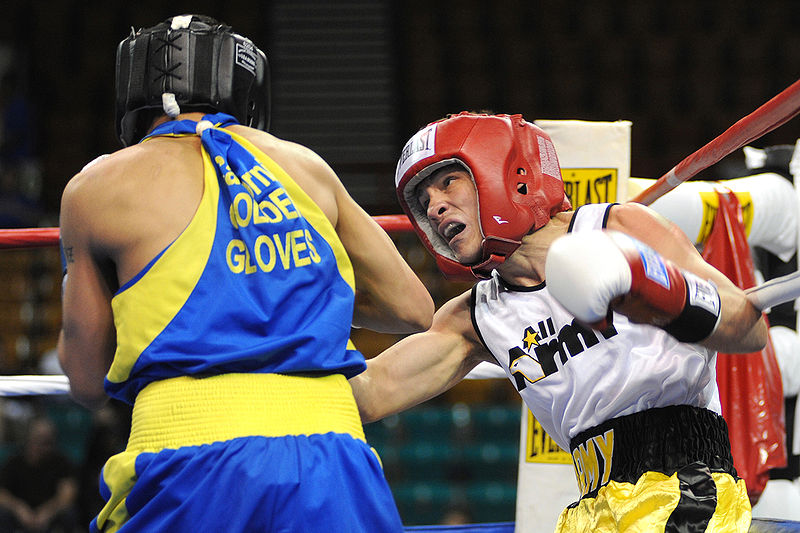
x=169 y=70
x=168 y=101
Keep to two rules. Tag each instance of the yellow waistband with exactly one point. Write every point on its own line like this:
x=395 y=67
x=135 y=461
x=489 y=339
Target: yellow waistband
x=189 y=411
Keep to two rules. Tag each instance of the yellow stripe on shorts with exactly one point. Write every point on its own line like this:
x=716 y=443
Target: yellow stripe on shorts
x=654 y=503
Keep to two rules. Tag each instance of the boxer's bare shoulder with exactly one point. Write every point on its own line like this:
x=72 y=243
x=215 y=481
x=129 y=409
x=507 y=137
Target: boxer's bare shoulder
x=131 y=204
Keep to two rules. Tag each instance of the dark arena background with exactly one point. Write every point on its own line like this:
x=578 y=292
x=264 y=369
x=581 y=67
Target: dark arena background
x=353 y=80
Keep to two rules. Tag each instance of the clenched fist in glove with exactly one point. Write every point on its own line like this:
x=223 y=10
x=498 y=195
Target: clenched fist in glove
x=592 y=273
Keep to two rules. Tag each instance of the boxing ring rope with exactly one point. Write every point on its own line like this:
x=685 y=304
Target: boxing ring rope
x=33 y=385
x=45 y=237
x=28 y=238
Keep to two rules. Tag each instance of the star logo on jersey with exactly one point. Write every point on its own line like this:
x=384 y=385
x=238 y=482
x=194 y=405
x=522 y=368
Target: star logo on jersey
x=530 y=338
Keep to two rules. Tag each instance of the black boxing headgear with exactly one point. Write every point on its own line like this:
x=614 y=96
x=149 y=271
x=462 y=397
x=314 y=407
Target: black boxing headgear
x=189 y=63
x=515 y=169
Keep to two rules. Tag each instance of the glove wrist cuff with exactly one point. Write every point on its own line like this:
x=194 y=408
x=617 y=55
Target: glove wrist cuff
x=701 y=313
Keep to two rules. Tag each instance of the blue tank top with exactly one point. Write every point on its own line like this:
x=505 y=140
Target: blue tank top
x=257 y=282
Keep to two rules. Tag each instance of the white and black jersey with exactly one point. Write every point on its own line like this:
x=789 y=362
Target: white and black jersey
x=573 y=378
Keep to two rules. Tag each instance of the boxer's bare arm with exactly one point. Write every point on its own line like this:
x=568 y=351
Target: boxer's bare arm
x=87 y=339
x=389 y=295
x=742 y=327
x=422 y=365
x=116 y=215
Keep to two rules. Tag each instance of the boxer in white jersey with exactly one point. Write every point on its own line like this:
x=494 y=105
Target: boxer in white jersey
x=605 y=319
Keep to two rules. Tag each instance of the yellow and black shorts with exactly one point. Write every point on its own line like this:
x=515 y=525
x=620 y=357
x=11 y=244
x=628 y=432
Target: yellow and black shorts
x=667 y=469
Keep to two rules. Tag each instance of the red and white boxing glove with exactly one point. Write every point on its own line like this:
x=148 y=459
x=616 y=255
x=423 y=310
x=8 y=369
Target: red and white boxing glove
x=594 y=272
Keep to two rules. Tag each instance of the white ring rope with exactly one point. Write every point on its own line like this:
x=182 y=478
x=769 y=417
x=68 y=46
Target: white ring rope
x=52 y=385
x=33 y=385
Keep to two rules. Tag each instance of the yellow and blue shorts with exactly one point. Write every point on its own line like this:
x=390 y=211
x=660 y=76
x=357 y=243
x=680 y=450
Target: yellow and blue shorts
x=668 y=469
x=244 y=453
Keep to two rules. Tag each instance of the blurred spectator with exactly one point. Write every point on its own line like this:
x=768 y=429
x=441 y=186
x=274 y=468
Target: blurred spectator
x=38 y=487
x=456 y=515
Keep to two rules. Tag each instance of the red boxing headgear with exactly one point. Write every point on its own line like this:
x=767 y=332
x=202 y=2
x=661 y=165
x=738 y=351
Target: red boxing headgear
x=516 y=173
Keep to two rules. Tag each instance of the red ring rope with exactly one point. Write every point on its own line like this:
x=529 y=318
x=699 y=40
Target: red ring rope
x=41 y=237
x=28 y=238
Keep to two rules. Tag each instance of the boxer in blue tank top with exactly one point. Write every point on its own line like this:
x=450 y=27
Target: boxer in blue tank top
x=212 y=271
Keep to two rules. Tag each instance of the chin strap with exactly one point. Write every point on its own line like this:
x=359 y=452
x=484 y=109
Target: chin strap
x=496 y=250
x=500 y=250
x=484 y=270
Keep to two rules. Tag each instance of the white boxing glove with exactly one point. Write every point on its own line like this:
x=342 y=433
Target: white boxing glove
x=592 y=273
x=585 y=271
